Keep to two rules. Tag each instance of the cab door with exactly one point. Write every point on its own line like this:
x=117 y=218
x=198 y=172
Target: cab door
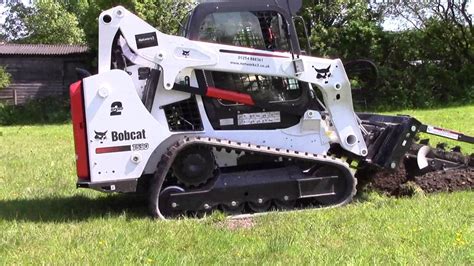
x=284 y=100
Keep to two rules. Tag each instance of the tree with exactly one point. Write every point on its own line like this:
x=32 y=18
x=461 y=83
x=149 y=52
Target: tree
x=162 y=14
x=427 y=62
x=47 y=22
x=445 y=21
x=441 y=40
x=15 y=27
x=165 y=15
x=338 y=27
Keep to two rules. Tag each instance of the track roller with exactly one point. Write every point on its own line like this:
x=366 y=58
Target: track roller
x=284 y=204
x=233 y=207
x=260 y=205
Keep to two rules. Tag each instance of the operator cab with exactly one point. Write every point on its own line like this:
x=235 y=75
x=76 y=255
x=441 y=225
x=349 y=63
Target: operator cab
x=264 y=25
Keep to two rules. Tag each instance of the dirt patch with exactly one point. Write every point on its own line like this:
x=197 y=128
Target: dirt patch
x=382 y=180
x=237 y=223
x=392 y=182
x=453 y=180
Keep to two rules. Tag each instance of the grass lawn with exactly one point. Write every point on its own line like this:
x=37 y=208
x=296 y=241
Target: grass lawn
x=44 y=219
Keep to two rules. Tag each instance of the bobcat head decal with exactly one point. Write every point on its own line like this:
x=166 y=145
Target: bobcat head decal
x=100 y=135
x=323 y=73
x=185 y=53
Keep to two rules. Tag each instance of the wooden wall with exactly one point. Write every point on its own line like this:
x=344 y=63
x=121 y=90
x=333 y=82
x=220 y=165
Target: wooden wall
x=39 y=76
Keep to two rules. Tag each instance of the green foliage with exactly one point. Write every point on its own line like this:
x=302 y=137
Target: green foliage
x=46 y=110
x=165 y=15
x=47 y=22
x=4 y=78
x=88 y=17
x=59 y=27
x=338 y=28
x=419 y=70
x=424 y=66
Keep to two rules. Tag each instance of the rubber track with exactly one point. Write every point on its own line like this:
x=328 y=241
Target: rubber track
x=168 y=157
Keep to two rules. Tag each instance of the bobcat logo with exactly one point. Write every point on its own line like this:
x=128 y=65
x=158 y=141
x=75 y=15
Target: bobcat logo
x=323 y=73
x=100 y=135
x=185 y=53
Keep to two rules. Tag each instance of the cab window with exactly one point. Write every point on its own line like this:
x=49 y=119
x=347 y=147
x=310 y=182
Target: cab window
x=266 y=30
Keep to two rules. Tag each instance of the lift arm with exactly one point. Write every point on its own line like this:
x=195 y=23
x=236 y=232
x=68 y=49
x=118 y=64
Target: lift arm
x=144 y=45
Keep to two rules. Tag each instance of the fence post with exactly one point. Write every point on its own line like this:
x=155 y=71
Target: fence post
x=15 y=99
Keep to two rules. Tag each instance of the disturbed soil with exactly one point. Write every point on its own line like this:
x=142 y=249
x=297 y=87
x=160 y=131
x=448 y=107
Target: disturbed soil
x=408 y=177
x=453 y=180
x=392 y=182
x=237 y=223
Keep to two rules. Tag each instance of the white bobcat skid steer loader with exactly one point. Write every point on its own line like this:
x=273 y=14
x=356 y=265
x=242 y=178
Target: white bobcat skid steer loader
x=201 y=122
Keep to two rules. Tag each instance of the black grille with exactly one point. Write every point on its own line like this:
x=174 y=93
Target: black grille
x=183 y=116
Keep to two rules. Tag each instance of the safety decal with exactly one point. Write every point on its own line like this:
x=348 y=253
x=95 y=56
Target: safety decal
x=258 y=118
x=442 y=132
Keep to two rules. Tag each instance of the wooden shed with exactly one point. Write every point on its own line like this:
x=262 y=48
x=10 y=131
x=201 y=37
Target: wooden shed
x=40 y=70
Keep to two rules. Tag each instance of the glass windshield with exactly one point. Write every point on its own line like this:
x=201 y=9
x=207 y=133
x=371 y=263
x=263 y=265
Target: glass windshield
x=264 y=30
x=259 y=30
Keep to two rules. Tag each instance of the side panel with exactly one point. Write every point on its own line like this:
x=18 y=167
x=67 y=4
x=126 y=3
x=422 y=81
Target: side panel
x=121 y=132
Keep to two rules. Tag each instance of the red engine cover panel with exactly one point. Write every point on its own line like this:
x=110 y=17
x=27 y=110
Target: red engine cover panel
x=79 y=129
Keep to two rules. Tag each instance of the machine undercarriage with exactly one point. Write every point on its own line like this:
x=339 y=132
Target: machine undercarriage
x=266 y=177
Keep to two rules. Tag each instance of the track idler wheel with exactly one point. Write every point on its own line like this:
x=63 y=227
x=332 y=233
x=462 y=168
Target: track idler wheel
x=167 y=207
x=342 y=187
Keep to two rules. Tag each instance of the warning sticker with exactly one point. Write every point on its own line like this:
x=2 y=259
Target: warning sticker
x=258 y=118
x=442 y=132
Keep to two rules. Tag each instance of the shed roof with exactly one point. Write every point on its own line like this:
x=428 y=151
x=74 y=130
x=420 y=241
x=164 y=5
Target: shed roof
x=41 y=49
